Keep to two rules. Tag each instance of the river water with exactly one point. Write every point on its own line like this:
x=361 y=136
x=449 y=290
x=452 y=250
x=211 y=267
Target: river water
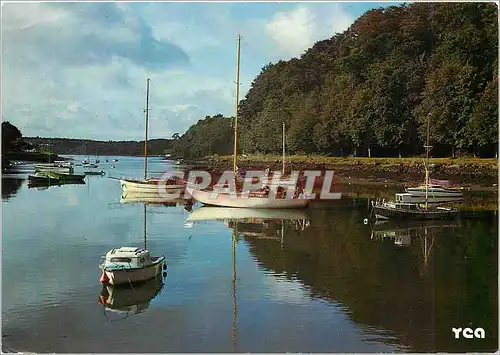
x=317 y=280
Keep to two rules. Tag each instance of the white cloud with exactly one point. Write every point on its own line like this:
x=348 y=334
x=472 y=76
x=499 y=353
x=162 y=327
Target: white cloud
x=80 y=69
x=296 y=30
x=292 y=31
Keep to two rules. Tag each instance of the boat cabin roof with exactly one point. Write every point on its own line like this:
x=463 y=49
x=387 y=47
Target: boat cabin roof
x=127 y=252
x=403 y=197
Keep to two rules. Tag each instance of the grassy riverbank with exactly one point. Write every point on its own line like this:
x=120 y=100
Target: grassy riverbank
x=462 y=170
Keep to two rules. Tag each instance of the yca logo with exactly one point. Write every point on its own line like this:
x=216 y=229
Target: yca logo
x=469 y=333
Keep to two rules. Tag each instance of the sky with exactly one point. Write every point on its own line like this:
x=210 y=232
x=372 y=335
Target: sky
x=79 y=70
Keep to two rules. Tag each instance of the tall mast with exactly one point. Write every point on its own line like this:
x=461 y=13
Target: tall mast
x=146 y=133
x=235 y=149
x=283 y=169
x=145 y=228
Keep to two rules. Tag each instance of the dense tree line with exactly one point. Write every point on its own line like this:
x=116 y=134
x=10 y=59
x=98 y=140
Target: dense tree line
x=212 y=135
x=92 y=147
x=372 y=90
x=12 y=138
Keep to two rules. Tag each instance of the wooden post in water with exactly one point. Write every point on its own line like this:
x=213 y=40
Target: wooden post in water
x=146 y=133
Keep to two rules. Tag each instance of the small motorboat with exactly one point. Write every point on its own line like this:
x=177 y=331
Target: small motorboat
x=403 y=208
x=126 y=265
x=65 y=177
x=102 y=173
x=43 y=178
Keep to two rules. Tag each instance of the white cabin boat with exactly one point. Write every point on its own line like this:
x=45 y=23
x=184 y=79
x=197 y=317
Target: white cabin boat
x=130 y=265
x=63 y=168
x=435 y=193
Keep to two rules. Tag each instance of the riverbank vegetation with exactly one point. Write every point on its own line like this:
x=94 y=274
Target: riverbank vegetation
x=460 y=170
x=94 y=147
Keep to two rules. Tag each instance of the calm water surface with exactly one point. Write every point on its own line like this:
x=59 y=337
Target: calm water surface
x=318 y=282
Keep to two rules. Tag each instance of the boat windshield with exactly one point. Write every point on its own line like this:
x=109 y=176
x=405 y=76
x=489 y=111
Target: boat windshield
x=120 y=260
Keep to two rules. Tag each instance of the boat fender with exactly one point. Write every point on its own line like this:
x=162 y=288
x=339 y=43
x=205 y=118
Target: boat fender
x=164 y=267
x=365 y=221
x=104 y=278
x=164 y=274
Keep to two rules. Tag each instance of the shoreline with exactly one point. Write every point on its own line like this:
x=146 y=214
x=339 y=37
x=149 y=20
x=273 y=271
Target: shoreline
x=472 y=172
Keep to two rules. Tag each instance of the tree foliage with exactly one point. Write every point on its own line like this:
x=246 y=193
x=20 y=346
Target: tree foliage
x=374 y=86
x=11 y=137
x=212 y=135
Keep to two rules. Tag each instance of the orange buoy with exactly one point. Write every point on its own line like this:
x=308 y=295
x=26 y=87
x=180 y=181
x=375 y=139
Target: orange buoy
x=104 y=278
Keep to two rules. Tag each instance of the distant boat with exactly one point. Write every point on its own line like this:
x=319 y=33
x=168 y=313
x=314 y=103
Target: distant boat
x=403 y=208
x=436 y=192
x=102 y=173
x=43 y=178
x=54 y=167
x=64 y=177
x=57 y=166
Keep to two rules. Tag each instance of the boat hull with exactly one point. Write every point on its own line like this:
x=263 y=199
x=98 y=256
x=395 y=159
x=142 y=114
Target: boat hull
x=133 y=276
x=148 y=186
x=225 y=200
x=384 y=212
x=434 y=193
x=63 y=177
x=33 y=179
x=47 y=169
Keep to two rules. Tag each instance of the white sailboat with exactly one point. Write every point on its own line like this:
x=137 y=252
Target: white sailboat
x=433 y=191
x=242 y=199
x=151 y=185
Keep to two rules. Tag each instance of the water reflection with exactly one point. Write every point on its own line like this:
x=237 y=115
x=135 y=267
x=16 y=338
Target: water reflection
x=410 y=292
x=10 y=186
x=132 y=299
x=155 y=199
x=44 y=185
x=422 y=233
x=251 y=223
x=308 y=281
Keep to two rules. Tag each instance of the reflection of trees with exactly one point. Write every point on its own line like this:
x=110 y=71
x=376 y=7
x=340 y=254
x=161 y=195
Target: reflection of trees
x=417 y=296
x=10 y=187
